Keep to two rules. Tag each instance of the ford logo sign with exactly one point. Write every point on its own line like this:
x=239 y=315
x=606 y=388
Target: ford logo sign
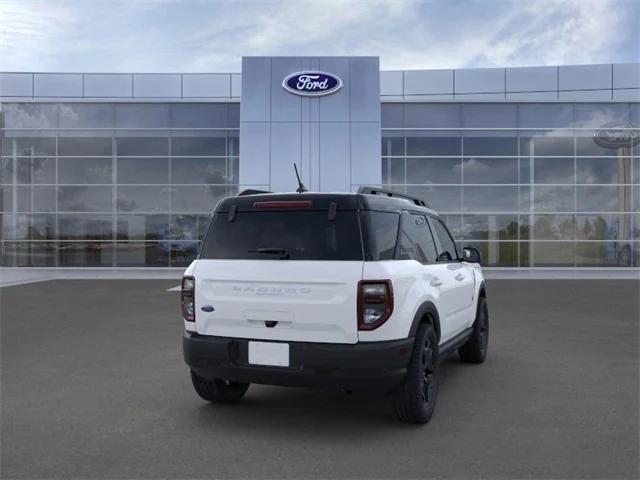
x=312 y=84
x=617 y=135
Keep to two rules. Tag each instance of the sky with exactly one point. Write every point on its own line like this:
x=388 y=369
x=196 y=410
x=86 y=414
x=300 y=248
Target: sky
x=212 y=36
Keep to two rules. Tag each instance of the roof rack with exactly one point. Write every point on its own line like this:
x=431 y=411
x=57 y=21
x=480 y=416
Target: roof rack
x=251 y=191
x=389 y=193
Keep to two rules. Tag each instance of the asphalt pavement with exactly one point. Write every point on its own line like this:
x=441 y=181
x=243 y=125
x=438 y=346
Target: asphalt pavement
x=93 y=386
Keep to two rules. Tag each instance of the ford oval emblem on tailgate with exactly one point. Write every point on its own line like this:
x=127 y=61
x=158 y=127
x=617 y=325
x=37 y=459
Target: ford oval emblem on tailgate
x=207 y=308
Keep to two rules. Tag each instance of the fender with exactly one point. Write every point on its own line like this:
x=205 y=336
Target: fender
x=425 y=308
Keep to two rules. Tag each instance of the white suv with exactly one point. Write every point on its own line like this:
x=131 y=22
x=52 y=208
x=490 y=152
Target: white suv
x=363 y=291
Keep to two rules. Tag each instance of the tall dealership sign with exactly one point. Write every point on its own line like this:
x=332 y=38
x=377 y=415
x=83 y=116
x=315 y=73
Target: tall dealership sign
x=323 y=113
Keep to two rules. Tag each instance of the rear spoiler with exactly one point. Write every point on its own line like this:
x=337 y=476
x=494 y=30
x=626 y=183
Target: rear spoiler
x=251 y=191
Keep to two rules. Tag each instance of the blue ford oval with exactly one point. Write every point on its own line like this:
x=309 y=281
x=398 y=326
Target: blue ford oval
x=312 y=83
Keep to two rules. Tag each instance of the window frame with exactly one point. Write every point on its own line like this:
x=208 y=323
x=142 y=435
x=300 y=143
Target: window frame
x=403 y=215
x=432 y=219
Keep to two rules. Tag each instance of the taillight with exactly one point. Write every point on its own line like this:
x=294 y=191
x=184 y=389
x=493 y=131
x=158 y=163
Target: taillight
x=187 y=299
x=375 y=303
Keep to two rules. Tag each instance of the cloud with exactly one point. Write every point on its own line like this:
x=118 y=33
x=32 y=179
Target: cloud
x=200 y=35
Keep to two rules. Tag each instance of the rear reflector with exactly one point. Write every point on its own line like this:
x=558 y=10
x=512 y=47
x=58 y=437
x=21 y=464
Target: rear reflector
x=283 y=204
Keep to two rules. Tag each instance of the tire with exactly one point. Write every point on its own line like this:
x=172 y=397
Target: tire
x=218 y=391
x=474 y=350
x=416 y=398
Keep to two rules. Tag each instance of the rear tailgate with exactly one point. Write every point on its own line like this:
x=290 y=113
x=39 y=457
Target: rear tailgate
x=306 y=301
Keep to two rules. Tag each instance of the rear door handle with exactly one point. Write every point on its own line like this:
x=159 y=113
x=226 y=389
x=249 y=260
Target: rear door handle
x=459 y=277
x=436 y=282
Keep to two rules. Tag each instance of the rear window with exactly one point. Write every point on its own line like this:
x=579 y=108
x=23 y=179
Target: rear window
x=275 y=235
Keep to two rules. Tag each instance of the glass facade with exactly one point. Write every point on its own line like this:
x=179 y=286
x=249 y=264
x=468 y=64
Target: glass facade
x=133 y=184
x=524 y=183
x=113 y=184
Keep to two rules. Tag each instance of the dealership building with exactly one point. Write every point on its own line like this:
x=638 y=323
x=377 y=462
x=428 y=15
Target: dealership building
x=536 y=166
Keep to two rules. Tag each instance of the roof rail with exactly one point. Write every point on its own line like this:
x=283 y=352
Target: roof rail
x=389 y=193
x=251 y=191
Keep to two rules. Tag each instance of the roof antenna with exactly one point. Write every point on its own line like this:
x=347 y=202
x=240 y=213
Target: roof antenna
x=301 y=188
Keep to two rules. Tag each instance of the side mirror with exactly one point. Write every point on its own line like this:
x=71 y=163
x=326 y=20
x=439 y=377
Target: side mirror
x=444 y=257
x=471 y=255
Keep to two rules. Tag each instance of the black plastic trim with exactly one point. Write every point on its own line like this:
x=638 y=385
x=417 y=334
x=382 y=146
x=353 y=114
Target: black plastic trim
x=360 y=366
x=453 y=343
x=426 y=308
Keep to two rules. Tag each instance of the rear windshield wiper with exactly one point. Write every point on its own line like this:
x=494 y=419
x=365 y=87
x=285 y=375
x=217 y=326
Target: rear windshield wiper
x=284 y=255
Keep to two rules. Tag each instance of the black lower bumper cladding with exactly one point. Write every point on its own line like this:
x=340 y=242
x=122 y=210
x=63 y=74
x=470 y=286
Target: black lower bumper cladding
x=379 y=366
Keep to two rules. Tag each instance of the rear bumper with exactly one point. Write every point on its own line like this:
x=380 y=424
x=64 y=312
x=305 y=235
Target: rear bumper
x=379 y=366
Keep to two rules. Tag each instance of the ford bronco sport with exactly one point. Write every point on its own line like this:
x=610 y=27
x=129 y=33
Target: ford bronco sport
x=359 y=291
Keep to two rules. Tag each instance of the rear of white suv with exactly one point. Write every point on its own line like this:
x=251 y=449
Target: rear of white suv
x=309 y=290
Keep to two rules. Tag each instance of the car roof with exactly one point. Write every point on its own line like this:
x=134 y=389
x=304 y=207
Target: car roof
x=322 y=201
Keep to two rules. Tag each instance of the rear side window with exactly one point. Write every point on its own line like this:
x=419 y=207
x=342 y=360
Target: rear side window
x=446 y=242
x=416 y=241
x=381 y=233
x=275 y=235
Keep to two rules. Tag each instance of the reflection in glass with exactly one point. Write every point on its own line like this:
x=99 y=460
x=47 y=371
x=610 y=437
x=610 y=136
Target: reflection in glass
x=392 y=144
x=143 y=170
x=551 y=254
x=26 y=254
x=142 y=115
x=490 y=146
x=434 y=170
x=545 y=144
x=84 y=199
x=199 y=115
x=552 y=170
x=606 y=254
x=33 y=170
x=142 y=146
x=441 y=199
x=198 y=145
x=490 y=170
x=78 y=254
x=603 y=198
x=30 y=115
x=197 y=199
x=490 y=227
x=199 y=170
x=87 y=115
x=143 y=199
x=24 y=146
x=35 y=199
x=393 y=171
x=142 y=227
x=84 y=170
x=490 y=199
x=182 y=254
x=489 y=115
x=79 y=146
x=418 y=145
x=28 y=227
x=553 y=199
x=85 y=227
x=140 y=254
x=603 y=170
x=189 y=227
x=603 y=226
x=554 y=227
x=428 y=115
